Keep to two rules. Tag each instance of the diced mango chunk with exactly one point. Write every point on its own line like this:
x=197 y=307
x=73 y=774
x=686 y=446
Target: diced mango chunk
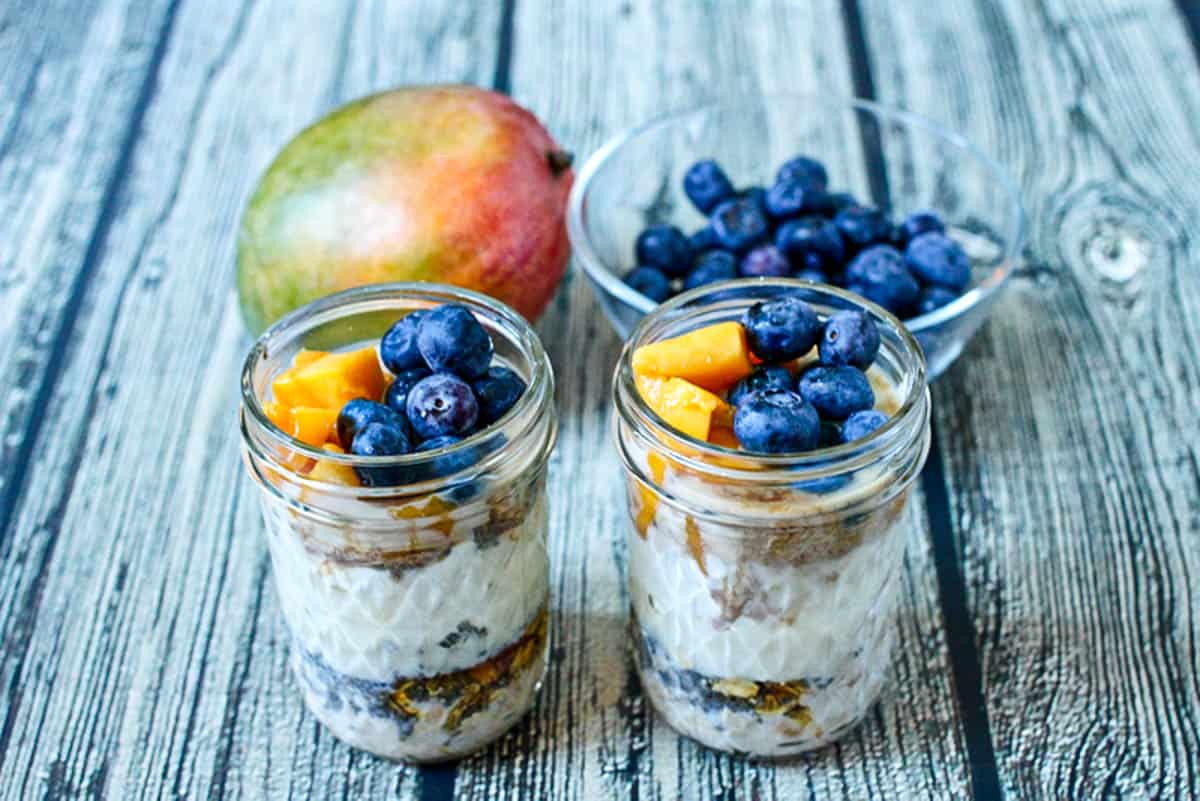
x=685 y=406
x=333 y=472
x=305 y=357
x=714 y=357
x=331 y=380
x=314 y=426
x=720 y=434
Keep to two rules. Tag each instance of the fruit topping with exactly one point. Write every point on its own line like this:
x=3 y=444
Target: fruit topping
x=359 y=413
x=380 y=439
x=782 y=329
x=497 y=392
x=769 y=376
x=398 y=349
x=714 y=357
x=933 y=298
x=397 y=391
x=861 y=227
x=812 y=243
x=860 y=424
x=776 y=421
x=331 y=380
x=706 y=185
x=442 y=404
x=447 y=390
x=452 y=340
x=850 y=337
x=837 y=392
x=685 y=406
x=665 y=248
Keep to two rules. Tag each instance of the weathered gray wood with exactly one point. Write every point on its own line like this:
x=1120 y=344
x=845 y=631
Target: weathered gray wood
x=593 y=69
x=1069 y=428
x=136 y=574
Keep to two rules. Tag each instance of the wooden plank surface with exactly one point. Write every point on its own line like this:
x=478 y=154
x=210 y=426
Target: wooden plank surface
x=1068 y=430
x=592 y=736
x=153 y=663
x=143 y=653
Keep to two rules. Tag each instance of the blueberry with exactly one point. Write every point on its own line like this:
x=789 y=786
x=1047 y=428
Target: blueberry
x=860 y=424
x=811 y=274
x=664 y=247
x=396 y=396
x=765 y=260
x=757 y=194
x=861 y=227
x=649 y=282
x=933 y=298
x=451 y=339
x=831 y=434
x=398 y=348
x=850 y=337
x=442 y=404
x=739 y=224
x=837 y=392
x=703 y=239
x=811 y=237
x=357 y=414
x=841 y=200
x=449 y=463
x=497 y=392
x=768 y=376
x=713 y=266
x=881 y=273
x=380 y=439
x=921 y=222
x=806 y=171
x=823 y=486
x=781 y=329
x=706 y=185
x=937 y=259
x=785 y=199
x=776 y=421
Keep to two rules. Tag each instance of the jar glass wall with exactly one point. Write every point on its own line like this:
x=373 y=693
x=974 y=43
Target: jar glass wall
x=763 y=588
x=418 y=613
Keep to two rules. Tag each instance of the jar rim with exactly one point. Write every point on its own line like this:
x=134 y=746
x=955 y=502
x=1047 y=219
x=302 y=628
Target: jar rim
x=516 y=422
x=719 y=461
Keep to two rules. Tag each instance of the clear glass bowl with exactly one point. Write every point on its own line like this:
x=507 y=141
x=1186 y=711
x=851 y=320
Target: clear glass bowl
x=892 y=159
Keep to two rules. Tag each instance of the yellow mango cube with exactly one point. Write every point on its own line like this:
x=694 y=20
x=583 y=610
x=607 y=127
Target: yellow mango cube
x=333 y=472
x=714 y=357
x=331 y=380
x=686 y=407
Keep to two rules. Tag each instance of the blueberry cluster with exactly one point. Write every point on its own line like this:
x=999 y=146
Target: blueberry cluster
x=799 y=228
x=831 y=402
x=444 y=388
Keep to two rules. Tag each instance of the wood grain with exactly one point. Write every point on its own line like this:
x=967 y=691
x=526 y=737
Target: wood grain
x=593 y=70
x=1069 y=428
x=147 y=649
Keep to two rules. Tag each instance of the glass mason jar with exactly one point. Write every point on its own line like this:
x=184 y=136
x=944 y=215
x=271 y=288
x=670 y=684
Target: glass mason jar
x=417 y=613
x=763 y=587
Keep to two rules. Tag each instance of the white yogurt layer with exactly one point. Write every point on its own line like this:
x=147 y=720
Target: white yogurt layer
x=382 y=622
x=740 y=616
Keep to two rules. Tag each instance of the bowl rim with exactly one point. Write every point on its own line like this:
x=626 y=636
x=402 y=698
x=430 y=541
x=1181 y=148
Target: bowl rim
x=1014 y=225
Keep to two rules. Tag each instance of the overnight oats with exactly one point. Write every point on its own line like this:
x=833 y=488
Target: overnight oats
x=770 y=431
x=400 y=436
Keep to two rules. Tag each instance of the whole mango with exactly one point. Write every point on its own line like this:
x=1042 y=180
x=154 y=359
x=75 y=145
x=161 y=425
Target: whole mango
x=453 y=184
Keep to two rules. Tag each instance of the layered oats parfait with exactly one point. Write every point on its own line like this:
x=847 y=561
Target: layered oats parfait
x=406 y=522
x=763 y=585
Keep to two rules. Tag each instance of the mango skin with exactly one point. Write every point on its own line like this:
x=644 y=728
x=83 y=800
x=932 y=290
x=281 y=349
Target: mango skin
x=452 y=184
